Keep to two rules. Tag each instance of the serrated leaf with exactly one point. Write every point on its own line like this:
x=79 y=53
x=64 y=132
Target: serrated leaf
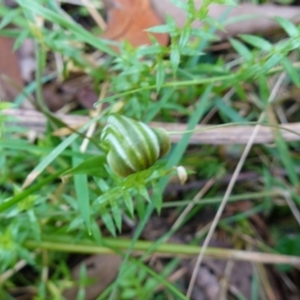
x=108 y=221
x=241 y=49
x=257 y=42
x=117 y=215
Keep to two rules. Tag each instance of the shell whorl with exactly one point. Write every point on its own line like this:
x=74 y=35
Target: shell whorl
x=133 y=146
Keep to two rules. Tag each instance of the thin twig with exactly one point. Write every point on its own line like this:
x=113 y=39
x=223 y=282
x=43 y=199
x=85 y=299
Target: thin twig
x=198 y=196
x=169 y=250
x=230 y=188
x=230 y=135
x=94 y=13
x=292 y=206
x=93 y=126
x=17 y=267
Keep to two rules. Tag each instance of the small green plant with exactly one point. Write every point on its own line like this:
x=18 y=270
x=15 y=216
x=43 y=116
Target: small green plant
x=67 y=194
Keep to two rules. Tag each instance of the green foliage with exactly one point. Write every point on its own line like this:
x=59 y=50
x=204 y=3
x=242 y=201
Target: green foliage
x=54 y=187
x=289 y=245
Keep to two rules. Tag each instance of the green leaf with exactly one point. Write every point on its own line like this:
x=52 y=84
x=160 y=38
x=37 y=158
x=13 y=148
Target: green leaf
x=93 y=166
x=257 y=42
x=202 y=12
x=160 y=75
x=288 y=26
x=291 y=70
x=166 y=28
x=149 y=50
x=5 y=205
x=24 y=34
x=143 y=192
x=175 y=57
x=128 y=203
x=241 y=49
x=108 y=221
x=82 y=193
x=54 y=17
x=272 y=62
x=9 y=17
x=117 y=215
x=184 y=37
x=181 y=4
x=55 y=153
x=6 y=105
x=288 y=245
x=157 y=197
x=76 y=224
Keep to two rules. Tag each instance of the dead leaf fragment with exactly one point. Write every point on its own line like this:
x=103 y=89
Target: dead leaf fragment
x=100 y=268
x=128 y=20
x=10 y=76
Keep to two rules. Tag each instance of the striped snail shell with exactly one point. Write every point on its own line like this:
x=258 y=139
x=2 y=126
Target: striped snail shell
x=133 y=146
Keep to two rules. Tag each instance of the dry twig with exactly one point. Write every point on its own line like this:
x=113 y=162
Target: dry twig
x=230 y=135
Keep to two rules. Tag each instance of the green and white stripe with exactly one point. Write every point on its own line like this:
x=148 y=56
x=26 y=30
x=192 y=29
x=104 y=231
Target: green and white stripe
x=133 y=146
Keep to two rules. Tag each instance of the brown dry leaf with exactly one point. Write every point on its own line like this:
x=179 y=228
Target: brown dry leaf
x=72 y=92
x=213 y=271
x=10 y=76
x=128 y=20
x=102 y=269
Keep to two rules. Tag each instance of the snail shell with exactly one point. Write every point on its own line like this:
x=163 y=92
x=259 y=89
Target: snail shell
x=133 y=146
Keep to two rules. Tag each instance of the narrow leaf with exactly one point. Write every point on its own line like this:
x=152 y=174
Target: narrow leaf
x=160 y=75
x=92 y=166
x=117 y=215
x=291 y=70
x=257 y=42
x=128 y=202
x=288 y=26
x=108 y=221
x=82 y=193
x=241 y=49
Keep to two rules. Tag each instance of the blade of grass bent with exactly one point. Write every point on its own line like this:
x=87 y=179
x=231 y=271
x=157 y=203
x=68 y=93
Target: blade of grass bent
x=36 y=187
x=53 y=155
x=77 y=30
